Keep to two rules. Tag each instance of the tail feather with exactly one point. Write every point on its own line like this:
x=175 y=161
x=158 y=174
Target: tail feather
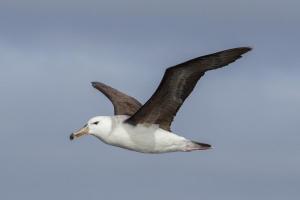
x=203 y=145
x=193 y=145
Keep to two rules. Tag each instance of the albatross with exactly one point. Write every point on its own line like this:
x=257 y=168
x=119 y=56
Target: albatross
x=147 y=128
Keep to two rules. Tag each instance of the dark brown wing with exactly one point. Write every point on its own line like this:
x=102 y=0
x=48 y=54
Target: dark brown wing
x=123 y=104
x=176 y=85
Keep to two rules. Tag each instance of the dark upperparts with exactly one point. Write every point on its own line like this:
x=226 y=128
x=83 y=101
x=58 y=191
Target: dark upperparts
x=176 y=85
x=123 y=104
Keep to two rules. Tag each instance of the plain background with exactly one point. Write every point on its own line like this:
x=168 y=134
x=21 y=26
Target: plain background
x=50 y=51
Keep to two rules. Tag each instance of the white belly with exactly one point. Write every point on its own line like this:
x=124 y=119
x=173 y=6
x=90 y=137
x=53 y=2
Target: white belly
x=145 y=139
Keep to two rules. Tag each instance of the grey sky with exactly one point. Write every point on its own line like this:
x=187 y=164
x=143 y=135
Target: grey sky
x=50 y=51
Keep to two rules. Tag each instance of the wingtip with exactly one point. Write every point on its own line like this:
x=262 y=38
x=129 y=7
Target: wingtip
x=237 y=52
x=245 y=49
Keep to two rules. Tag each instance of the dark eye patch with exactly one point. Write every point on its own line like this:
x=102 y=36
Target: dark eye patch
x=96 y=123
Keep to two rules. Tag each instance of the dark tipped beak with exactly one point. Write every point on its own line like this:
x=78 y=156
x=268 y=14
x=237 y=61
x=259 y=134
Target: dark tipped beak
x=72 y=136
x=93 y=83
x=81 y=132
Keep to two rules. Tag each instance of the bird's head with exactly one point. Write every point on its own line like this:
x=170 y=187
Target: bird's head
x=98 y=126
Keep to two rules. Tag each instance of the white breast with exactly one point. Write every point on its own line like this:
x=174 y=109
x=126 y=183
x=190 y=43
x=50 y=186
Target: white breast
x=147 y=139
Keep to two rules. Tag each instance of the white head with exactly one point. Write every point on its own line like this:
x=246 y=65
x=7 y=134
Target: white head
x=99 y=126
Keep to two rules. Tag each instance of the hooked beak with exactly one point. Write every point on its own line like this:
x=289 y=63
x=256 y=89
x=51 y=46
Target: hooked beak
x=83 y=131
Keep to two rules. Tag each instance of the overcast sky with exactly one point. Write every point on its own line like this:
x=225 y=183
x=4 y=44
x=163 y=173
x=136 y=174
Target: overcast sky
x=50 y=51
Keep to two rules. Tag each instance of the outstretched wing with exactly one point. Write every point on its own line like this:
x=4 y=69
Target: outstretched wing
x=176 y=85
x=123 y=104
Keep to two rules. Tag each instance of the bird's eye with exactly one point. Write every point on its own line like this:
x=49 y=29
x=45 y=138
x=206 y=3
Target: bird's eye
x=96 y=123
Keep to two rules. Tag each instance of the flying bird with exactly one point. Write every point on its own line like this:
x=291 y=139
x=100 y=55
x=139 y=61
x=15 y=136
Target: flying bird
x=147 y=128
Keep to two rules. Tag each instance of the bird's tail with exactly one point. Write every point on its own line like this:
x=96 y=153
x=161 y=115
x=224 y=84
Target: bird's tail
x=193 y=145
